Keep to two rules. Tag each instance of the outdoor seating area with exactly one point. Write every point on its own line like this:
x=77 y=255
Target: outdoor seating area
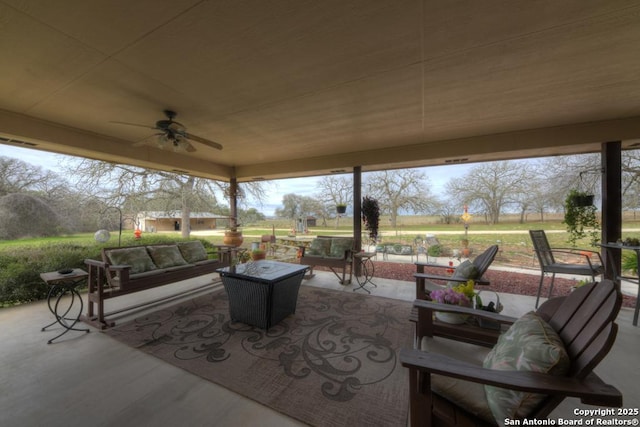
x=135 y=386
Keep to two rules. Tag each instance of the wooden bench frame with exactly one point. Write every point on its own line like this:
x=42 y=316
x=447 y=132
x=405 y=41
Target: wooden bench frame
x=103 y=287
x=344 y=263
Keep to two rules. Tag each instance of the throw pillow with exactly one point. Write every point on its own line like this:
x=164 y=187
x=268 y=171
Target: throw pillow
x=137 y=258
x=166 y=256
x=466 y=270
x=339 y=246
x=318 y=247
x=192 y=251
x=530 y=344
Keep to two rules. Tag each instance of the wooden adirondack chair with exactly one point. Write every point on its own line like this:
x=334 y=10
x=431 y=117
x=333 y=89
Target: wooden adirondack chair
x=480 y=264
x=428 y=282
x=584 y=322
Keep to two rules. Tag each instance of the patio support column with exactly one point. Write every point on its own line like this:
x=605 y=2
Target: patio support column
x=357 y=214
x=233 y=201
x=611 y=155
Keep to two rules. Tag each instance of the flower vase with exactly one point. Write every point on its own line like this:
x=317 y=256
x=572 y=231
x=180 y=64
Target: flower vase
x=451 y=318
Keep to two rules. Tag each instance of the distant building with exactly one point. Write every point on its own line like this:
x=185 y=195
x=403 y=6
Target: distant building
x=172 y=221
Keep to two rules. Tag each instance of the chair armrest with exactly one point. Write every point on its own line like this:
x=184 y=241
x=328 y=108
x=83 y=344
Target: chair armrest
x=118 y=267
x=427 y=276
x=577 y=253
x=94 y=262
x=448 y=308
x=421 y=265
x=590 y=390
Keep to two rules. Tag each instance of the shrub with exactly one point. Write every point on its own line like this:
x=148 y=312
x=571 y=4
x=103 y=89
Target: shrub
x=20 y=267
x=434 y=250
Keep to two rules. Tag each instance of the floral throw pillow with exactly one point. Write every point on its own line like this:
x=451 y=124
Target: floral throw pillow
x=318 y=247
x=339 y=246
x=193 y=251
x=137 y=258
x=166 y=256
x=530 y=344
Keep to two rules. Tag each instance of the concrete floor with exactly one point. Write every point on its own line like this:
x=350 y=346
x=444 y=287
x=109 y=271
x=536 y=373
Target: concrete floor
x=89 y=378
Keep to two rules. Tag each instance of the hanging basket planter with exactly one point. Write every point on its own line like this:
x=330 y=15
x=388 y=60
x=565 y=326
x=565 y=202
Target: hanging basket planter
x=341 y=209
x=584 y=200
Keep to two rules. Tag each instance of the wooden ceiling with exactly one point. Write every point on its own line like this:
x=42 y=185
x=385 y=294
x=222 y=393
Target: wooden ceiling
x=296 y=87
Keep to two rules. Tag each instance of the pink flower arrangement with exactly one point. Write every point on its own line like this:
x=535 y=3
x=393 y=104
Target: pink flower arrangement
x=450 y=296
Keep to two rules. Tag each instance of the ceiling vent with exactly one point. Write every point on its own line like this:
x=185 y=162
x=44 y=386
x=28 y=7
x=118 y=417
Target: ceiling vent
x=453 y=161
x=17 y=142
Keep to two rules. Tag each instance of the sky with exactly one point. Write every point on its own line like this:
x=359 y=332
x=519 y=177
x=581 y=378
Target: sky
x=438 y=176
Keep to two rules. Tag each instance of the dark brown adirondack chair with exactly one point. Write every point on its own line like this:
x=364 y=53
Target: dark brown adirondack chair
x=426 y=281
x=584 y=322
x=581 y=264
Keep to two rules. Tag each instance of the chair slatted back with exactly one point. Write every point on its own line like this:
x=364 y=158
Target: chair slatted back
x=541 y=247
x=484 y=260
x=581 y=320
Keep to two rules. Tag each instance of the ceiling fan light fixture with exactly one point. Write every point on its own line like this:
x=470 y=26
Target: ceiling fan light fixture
x=163 y=141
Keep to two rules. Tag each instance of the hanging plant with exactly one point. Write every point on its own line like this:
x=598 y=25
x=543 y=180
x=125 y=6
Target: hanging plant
x=371 y=216
x=580 y=217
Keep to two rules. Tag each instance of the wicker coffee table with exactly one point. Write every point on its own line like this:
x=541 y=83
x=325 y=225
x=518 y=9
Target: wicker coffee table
x=262 y=293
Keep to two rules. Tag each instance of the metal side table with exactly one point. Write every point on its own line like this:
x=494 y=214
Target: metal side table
x=63 y=284
x=368 y=270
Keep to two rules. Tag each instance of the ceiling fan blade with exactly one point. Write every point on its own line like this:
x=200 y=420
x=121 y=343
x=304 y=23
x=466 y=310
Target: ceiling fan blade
x=203 y=141
x=134 y=124
x=150 y=140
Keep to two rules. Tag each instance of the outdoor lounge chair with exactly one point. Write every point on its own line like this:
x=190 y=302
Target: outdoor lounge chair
x=583 y=265
x=466 y=270
x=427 y=282
x=544 y=357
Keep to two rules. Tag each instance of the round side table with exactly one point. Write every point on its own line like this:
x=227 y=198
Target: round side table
x=368 y=270
x=61 y=285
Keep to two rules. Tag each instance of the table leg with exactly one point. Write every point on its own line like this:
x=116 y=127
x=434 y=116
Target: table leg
x=62 y=319
x=368 y=271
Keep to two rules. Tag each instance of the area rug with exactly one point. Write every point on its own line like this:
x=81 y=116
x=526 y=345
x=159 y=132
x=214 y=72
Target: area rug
x=332 y=363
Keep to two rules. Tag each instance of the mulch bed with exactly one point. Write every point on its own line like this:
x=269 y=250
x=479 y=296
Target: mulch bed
x=501 y=281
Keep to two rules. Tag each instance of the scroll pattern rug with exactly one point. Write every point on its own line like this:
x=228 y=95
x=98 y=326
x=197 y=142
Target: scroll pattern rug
x=333 y=363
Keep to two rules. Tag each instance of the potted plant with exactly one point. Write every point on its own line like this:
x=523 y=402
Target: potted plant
x=371 y=216
x=580 y=198
x=580 y=217
x=258 y=254
x=462 y=294
x=341 y=208
x=233 y=236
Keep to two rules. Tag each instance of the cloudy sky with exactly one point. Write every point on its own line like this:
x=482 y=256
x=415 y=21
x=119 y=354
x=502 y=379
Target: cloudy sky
x=438 y=176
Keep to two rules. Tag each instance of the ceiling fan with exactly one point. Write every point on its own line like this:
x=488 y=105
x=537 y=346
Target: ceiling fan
x=174 y=134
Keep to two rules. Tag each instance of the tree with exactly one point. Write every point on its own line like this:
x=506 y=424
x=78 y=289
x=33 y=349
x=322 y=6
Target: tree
x=136 y=189
x=335 y=190
x=295 y=206
x=399 y=190
x=23 y=215
x=490 y=187
x=17 y=176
